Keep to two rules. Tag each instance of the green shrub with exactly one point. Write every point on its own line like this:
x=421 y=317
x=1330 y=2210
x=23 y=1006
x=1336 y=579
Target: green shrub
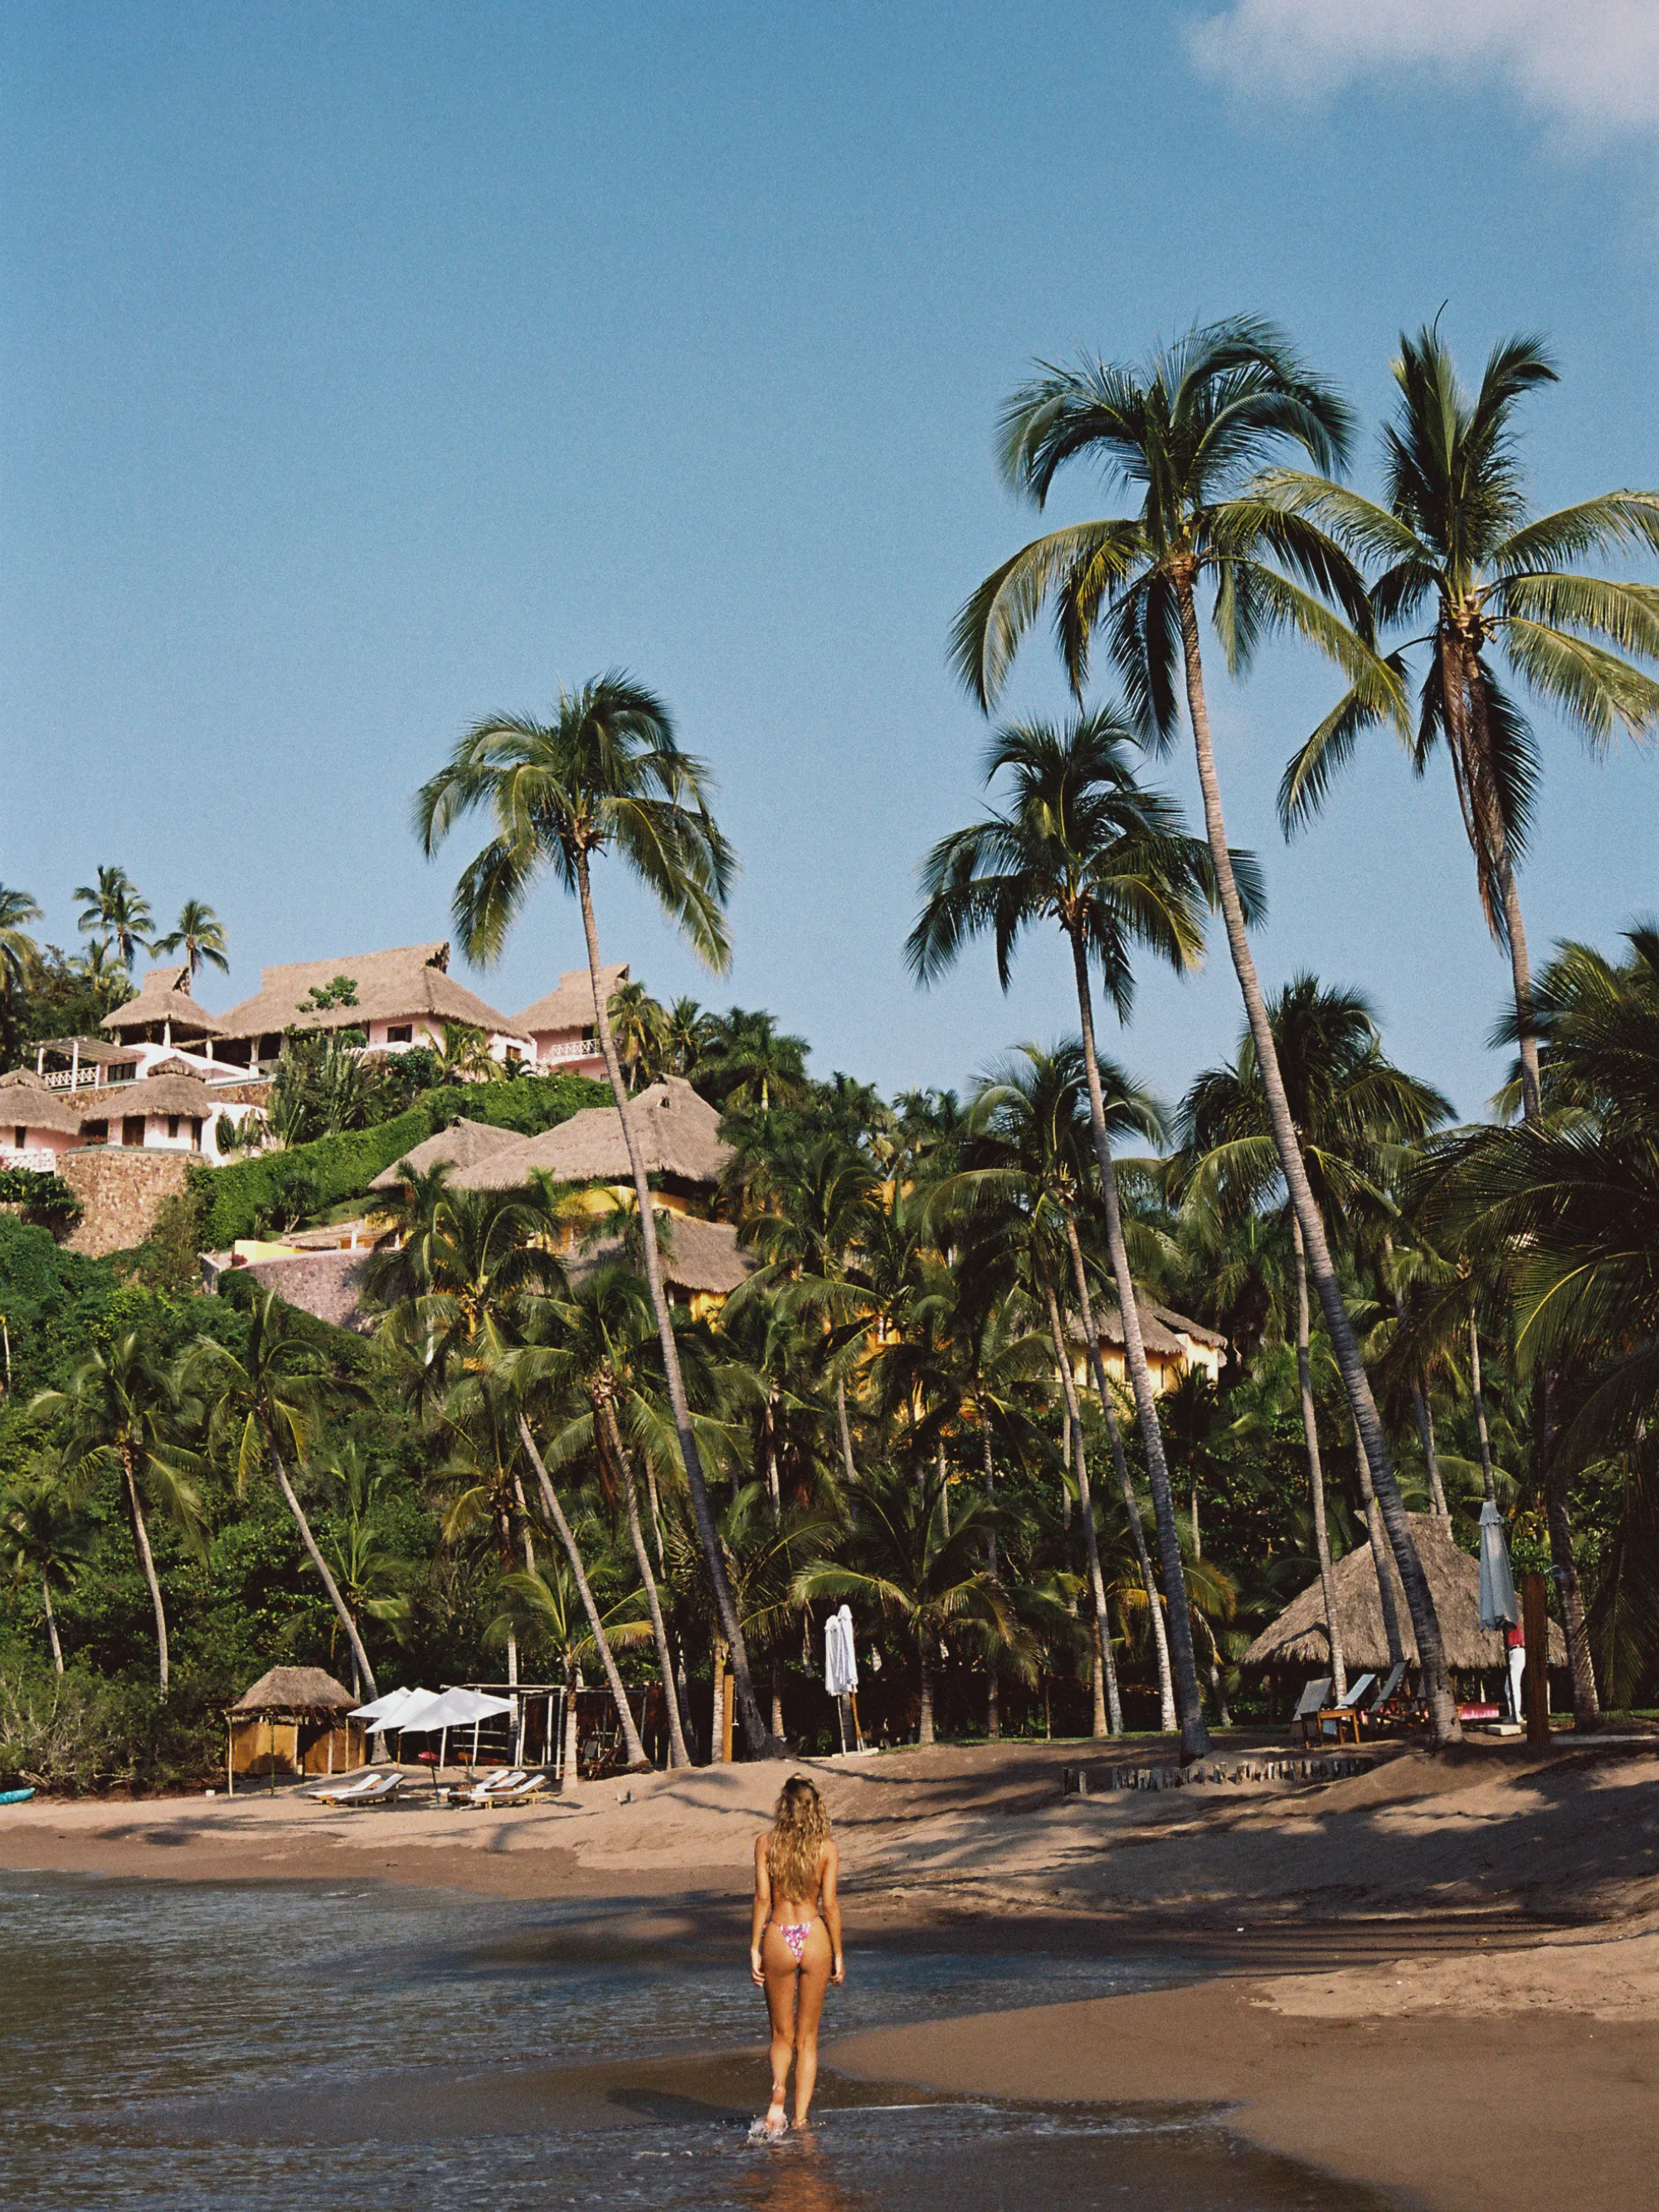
x=75 y=1732
x=528 y=1104
x=236 y=1199
x=43 y=1197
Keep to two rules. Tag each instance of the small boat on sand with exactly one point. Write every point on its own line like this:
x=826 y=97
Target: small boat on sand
x=15 y=1797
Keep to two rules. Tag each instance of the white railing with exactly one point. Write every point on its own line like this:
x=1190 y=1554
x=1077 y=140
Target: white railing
x=69 y=1079
x=37 y=1158
x=570 y=1048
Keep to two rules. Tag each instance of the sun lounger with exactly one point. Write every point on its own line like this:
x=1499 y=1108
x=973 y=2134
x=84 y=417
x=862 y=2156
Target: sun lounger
x=379 y=1791
x=347 y=1785
x=1339 y=1723
x=1312 y=1702
x=520 y=1793
x=480 y=1791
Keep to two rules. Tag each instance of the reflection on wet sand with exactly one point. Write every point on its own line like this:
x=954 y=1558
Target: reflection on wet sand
x=795 y=2176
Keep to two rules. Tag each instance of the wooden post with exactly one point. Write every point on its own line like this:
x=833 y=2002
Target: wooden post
x=1536 y=1683
x=726 y=1685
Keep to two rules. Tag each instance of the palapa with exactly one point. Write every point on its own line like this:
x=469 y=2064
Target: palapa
x=1299 y=1638
x=307 y=1691
x=700 y=1256
x=26 y=1102
x=412 y=980
x=571 y=1006
x=677 y=1133
x=164 y=996
x=464 y=1143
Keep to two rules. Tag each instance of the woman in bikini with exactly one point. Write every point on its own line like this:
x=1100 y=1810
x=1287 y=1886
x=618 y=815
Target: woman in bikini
x=795 y=1940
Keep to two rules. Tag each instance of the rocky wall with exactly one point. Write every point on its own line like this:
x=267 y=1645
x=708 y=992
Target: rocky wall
x=120 y=1193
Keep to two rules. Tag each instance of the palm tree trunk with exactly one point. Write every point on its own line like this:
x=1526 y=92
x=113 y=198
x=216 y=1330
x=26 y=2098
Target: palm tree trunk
x=992 y=1693
x=524 y=1522
x=944 y=1494
x=1444 y=1727
x=760 y=1743
x=1096 y=1580
x=678 y=1754
x=147 y=1561
x=846 y=1432
x=340 y=1612
x=1315 y=1471
x=1121 y=1466
x=572 y=1733
x=1105 y=1670
x=1189 y=1700
x=1379 y=1556
x=1526 y=1010
x=51 y=1622
x=1422 y=1410
x=631 y=1744
x=1478 y=1395
x=925 y=1720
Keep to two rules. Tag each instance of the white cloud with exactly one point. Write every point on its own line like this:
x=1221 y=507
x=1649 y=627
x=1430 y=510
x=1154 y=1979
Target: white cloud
x=1591 y=66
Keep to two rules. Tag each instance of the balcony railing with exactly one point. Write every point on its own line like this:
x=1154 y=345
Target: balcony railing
x=570 y=1048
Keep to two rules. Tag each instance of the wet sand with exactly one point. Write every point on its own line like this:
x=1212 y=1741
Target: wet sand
x=1441 y=1976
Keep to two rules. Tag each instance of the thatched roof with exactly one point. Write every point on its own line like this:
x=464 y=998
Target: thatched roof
x=295 y=1690
x=696 y=1255
x=463 y=1145
x=1161 y=1329
x=164 y=996
x=676 y=1131
x=409 y=982
x=571 y=1006
x=1298 y=1638
x=26 y=1102
x=152 y=1094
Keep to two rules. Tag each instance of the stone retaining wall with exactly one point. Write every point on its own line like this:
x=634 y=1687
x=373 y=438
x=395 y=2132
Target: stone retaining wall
x=121 y=1192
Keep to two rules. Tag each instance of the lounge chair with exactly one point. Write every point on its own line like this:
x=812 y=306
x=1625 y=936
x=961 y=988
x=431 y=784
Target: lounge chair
x=1341 y=1721
x=482 y=1792
x=1383 y=1710
x=1314 y=1699
x=519 y=1792
x=379 y=1790
x=345 y=1786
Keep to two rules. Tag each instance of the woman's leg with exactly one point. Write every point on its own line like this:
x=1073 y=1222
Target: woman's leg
x=817 y=1960
x=778 y=1963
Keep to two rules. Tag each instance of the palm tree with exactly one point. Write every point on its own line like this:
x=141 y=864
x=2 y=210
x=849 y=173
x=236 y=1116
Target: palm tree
x=753 y=1063
x=358 y=1540
x=127 y=1407
x=17 y=947
x=1456 y=541
x=552 y=1601
x=200 y=937
x=1191 y=431
x=266 y=1405
x=41 y=1537
x=901 y=1559
x=115 y=907
x=686 y=1031
x=640 y=1029
x=1084 y=844
x=464 y=1057
x=607 y=774
x=1349 y=1105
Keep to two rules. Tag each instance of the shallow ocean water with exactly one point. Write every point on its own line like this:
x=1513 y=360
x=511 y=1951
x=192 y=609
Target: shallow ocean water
x=233 y=2046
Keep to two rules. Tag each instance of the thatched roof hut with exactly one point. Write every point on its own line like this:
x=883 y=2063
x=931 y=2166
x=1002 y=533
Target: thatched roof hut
x=462 y=1145
x=27 y=1103
x=1298 y=1639
x=301 y=1690
x=677 y=1132
x=292 y=1721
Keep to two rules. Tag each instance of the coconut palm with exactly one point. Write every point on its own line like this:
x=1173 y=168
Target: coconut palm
x=686 y=1032
x=265 y=1408
x=1192 y=431
x=549 y=1600
x=1083 y=843
x=900 y=1558
x=359 y=1539
x=606 y=774
x=200 y=937
x=42 y=1537
x=752 y=1063
x=115 y=909
x=640 y=1029
x=1349 y=1106
x=128 y=1407
x=17 y=947
x=1456 y=541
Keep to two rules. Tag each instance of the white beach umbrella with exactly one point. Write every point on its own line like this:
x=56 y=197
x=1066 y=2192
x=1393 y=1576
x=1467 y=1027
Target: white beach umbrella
x=383 y=1711
x=841 y=1665
x=449 y=1709
x=1498 y=1607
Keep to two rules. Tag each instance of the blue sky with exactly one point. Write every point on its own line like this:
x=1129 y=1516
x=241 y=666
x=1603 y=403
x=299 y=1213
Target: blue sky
x=369 y=368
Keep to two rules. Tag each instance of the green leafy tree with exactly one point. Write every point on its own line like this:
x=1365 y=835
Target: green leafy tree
x=43 y=1537
x=1192 y=432
x=18 y=951
x=608 y=774
x=640 y=1029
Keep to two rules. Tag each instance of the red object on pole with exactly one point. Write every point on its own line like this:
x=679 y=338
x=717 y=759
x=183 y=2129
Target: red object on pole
x=1536 y=1619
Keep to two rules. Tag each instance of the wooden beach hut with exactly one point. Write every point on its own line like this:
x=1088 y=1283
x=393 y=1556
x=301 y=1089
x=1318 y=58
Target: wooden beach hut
x=292 y=1721
x=1296 y=1647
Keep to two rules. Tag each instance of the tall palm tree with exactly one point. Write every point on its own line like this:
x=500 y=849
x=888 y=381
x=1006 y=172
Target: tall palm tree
x=900 y=1557
x=1456 y=543
x=129 y=1408
x=17 y=947
x=200 y=937
x=1083 y=843
x=640 y=1029
x=1192 y=431
x=686 y=1031
x=359 y=1539
x=753 y=1062
x=551 y=1600
x=115 y=908
x=607 y=774
x=264 y=1411
x=1349 y=1105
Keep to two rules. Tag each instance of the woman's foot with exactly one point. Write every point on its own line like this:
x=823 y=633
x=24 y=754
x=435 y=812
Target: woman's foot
x=774 y=2127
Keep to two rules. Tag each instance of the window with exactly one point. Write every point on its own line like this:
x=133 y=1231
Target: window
x=96 y=1132
x=172 y=1127
x=133 y=1129
x=400 y=1033
x=22 y=1138
x=195 y=1134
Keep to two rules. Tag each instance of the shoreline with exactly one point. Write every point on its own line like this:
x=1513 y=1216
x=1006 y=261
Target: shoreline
x=1440 y=1978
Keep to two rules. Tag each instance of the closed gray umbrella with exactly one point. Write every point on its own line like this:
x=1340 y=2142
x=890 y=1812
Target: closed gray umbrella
x=1498 y=1607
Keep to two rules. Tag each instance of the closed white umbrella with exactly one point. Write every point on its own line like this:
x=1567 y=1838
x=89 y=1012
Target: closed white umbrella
x=1498 y=1607
x=841 y=1665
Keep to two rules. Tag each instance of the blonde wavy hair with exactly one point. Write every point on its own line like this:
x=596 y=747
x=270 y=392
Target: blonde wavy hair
x=800 y=1829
